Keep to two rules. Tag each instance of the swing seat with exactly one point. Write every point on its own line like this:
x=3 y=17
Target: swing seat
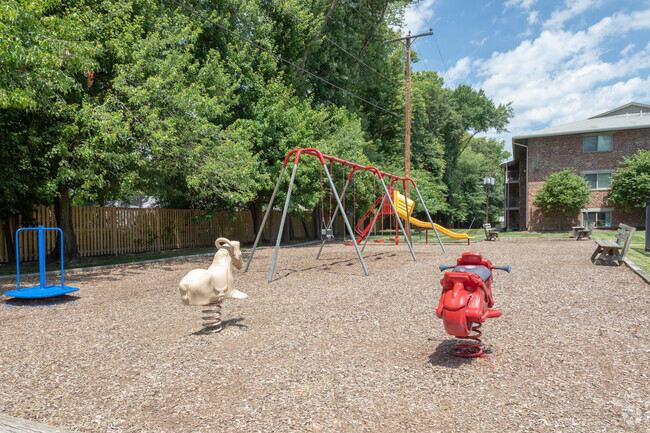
x=327 y=234
x=40 y=291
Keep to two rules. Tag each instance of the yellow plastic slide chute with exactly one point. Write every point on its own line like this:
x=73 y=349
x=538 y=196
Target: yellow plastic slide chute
x=400 y=205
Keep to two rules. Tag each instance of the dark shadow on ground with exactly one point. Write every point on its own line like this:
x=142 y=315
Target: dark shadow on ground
x=40 y=302
x=328 y=265
x=225 y=324
x=444 y=355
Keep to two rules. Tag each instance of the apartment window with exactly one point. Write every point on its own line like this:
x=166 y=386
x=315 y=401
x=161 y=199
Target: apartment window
x=598 y=180
x=603 y=218
x=597 y=143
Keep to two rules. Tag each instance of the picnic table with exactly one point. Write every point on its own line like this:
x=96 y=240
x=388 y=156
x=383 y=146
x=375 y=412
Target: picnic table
x=576 y=229
x=586 y=232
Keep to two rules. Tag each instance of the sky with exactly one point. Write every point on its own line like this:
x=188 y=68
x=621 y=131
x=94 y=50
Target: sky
x=557 y=61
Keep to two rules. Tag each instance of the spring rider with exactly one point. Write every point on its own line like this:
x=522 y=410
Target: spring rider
x=209 y=287
x=466 y=300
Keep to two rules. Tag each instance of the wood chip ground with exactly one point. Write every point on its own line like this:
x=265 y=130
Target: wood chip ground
x=324 y=348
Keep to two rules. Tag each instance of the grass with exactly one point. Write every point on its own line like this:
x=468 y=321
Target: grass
x=636 y=253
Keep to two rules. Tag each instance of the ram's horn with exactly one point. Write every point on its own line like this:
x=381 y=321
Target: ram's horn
x=220 y=241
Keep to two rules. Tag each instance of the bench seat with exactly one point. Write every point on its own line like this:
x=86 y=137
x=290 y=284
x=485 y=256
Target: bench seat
x=609 y=251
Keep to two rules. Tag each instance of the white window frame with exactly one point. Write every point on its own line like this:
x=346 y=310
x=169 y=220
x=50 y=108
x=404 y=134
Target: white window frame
x=611 y=140
x=606 y=210
x=597 y=172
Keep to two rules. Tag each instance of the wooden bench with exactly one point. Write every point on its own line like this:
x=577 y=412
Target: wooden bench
x=490 y=234
x=586 y=233
x=609 y=251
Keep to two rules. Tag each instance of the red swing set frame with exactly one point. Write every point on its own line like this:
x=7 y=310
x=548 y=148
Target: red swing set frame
x=297 y=153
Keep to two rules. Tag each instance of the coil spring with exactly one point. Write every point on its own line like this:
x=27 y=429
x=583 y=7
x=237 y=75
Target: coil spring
x=471 y=349
x=212 y=318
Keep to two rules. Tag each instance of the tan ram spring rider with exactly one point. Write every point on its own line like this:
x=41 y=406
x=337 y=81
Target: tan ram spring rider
x=209 y=287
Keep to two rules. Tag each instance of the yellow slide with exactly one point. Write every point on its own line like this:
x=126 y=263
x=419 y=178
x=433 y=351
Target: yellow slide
x=398 y=199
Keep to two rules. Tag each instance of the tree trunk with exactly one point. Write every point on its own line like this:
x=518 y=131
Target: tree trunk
x=63 y=212
x=257 y=215
x=287 y=231
x=322 y=26
x=316 y=222
x=366 y=44
x=9 y=238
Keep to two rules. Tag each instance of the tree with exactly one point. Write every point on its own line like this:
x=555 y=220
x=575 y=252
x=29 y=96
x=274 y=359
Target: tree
x=453 y=118
x=563 y=195
x=631 y=181
x=42 y=62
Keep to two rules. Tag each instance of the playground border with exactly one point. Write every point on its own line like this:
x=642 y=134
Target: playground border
x=637 y=270
x=13 y=424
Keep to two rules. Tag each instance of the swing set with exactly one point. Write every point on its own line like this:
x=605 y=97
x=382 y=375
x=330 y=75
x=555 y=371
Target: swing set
x=327 y=229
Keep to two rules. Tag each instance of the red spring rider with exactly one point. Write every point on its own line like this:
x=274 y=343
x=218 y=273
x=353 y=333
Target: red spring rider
x=466 y=300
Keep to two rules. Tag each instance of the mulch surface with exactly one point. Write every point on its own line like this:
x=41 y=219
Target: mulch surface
x=324 y=348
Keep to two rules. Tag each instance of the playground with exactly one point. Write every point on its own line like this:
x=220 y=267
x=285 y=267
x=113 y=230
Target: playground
x=325 y=348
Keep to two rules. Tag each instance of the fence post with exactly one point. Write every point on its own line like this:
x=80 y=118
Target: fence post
x=114 y=228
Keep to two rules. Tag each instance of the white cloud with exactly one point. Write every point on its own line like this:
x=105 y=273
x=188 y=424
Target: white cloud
x=525 y=4
x=625 y=51
x=459 y=71
x=575 y=8
x=561 y=76
x=533 y=17
x=418 y=15
x=479 y=43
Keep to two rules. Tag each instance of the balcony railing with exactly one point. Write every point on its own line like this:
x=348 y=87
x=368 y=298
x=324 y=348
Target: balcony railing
x=513 y=202
x=512 y=177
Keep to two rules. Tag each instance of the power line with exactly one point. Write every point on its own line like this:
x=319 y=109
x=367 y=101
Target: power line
x=341 y=48
x=259 y=47
x=435 y=40
x=423 y=58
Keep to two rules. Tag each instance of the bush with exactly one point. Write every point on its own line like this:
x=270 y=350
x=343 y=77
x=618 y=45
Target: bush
x=564 y=194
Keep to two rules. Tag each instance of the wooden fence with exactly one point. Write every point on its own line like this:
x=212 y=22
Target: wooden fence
x=113 y=231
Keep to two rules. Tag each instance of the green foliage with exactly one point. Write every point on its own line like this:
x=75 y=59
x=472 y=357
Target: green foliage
x=564 y=193
x=631 y=181
x=445 y=125
x=103 y=100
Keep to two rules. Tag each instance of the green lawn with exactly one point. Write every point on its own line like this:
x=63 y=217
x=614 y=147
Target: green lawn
x=636 y=253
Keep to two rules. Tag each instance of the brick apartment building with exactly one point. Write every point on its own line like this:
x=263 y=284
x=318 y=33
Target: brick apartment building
x=594 y=148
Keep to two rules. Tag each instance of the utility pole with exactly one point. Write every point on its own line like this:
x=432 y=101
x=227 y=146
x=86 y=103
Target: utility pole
x=487 y=181
x=407 y=115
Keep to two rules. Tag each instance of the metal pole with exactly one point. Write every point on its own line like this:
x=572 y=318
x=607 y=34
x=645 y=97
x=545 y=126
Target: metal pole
x=345 y=218
x=406 y=204
x=61 y=237
x=284 y=216
x=407 y=136
x=331 y=221
x=390 y=200
x=266 y=215
x=430 y=220
x=374 y=221
x=647 y=224
x=17 y=260
x=41 y=255
x=487 y=202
